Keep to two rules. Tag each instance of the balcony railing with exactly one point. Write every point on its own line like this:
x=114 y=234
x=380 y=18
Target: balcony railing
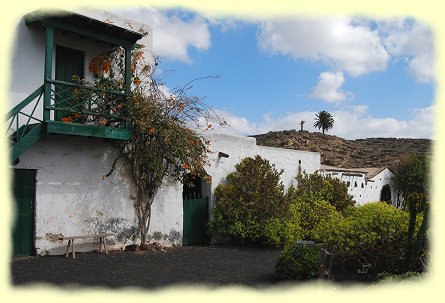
x=80 y=104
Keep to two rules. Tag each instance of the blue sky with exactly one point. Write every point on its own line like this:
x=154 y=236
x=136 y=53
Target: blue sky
x=376 y=77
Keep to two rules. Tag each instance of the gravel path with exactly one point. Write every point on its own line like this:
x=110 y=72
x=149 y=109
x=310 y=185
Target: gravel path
x=192 y=265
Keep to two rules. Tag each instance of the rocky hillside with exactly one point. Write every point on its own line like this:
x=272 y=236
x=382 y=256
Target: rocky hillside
x=335 y=151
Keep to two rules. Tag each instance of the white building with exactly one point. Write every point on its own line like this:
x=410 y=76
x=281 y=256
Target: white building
x=57 y=167
x=365 y=184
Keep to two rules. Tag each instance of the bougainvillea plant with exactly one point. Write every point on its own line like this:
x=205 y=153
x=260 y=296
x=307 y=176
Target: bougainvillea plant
x=167 y=128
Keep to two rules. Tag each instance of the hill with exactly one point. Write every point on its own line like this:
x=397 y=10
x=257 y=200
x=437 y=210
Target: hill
x=336 y=151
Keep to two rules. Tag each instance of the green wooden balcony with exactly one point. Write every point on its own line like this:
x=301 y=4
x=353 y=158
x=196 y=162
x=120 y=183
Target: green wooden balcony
x=69 y=109
x=75 y=109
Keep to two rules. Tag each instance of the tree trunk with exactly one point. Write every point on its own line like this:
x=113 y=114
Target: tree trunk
x=144 y=217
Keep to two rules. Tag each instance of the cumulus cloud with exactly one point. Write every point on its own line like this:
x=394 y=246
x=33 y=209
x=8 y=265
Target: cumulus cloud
x=328 y=88
x=413 y=41
x=236 y=125
x=172 y=35
x=350 y=123
x=353 y=48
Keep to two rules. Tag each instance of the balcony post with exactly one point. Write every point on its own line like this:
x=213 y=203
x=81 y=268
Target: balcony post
x=127 y=78
x=48 y=72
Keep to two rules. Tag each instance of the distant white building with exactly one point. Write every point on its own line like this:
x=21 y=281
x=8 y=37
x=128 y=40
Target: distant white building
x=365 y=184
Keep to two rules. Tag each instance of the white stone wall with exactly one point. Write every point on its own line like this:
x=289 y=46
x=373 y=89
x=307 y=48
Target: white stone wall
x=73 y=199
x=239 y=148
x=386 y=177
x=372 y=188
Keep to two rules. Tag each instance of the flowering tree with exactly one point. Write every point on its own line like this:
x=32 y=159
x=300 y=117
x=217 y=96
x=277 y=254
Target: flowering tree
x=165 y=140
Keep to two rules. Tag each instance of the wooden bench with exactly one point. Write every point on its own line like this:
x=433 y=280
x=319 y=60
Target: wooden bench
x=71 y=239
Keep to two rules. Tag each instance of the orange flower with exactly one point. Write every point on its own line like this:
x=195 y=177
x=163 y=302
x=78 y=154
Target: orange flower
x=181 y=106
x=103 y=122
x=137 y=81
x=185 y=166
x=106 y=67
x=67 y=119
x=120 y=106
x=151 y=131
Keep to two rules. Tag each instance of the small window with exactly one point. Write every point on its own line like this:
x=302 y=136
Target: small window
x=348 y=184
x=355 y=184
x=363 y=186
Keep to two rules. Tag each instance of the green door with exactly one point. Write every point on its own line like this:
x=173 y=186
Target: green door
x=24 y=187
x=69 y=62
x=196 y=220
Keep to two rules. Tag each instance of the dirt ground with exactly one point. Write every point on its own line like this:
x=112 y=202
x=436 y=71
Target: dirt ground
x=211 y=266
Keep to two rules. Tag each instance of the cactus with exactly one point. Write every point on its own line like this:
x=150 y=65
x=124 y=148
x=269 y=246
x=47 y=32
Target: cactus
x=417 y=203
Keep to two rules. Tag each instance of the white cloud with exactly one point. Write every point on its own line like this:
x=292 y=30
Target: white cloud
x=350 y=123
x=328 y=88
x=353 y=48
x=172 y=36
x=412 y=40
x=236 y=125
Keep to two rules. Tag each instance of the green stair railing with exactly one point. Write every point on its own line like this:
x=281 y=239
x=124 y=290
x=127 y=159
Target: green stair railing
x=24 y=128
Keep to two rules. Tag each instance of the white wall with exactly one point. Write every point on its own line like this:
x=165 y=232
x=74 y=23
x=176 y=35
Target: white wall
x=386 y=177
x=372 y=188
x=239 y=148
x=73 y=199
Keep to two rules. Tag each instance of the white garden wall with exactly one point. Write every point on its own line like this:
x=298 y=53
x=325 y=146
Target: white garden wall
x=239 y=148
x=73 y=199
x=366 y=190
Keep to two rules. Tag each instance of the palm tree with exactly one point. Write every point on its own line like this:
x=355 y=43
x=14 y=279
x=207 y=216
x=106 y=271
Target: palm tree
x=324 y=121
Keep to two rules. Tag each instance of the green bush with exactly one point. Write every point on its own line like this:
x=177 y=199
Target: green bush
x=298 y=262
x=374 y=234
x=284 y=231
x=332 y=190
x=250 y=205
x=311 y=210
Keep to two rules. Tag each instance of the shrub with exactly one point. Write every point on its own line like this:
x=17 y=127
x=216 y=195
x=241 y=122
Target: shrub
x=284 y=231
x=250 y=205
x=328 y=189
x=374 y=234
x=311 y=210
x=298 y=262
